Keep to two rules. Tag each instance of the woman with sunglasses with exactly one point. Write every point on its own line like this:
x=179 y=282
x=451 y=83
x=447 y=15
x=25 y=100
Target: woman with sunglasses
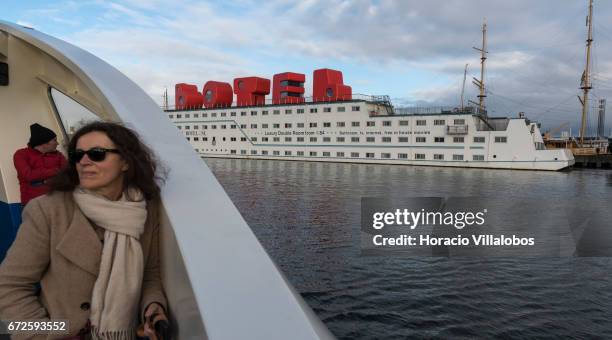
x=92 y=243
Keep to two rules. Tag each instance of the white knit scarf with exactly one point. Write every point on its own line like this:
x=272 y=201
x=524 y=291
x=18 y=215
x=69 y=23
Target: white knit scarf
x=116 y=293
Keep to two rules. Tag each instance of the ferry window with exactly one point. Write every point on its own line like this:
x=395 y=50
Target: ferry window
x=459 y=122
x=243 y=152
x=196 y=127
x=179 y=127
x=300 y=153
x=276 y=153
x=170 y=116
x=179 y=116
x=233 y=114
x=421 y=139
x=205 y=139
x=276 y=139
x=243 y=126
x=339 y=139
x=243 y=113
x=287 y=153
x=224 y=127
x=403 y=139
x=187 y=115
x=187 y=128
x=386 y=139
x=403 y=123
x=479 y=139
x=327 y=109
x=478 y=157
x=264 y=152
x=196 y=139
x=326 y=139
x=264 y=139
x=189 y=139
x=439 y=139
x=253 y=113
x=354 y=154
x=458 y=139
x=439 y=122
x=313 y=110
x=438 y=156
x=313 y=139
x=402 y=155
x=355 y=124
x=457 y=157
x=300 y=125
x=501 y=139
x=253 y=126
x=313 y=153
x=355 y=108
x=287 y=139
x=276 y=112
x=253 y=152
x=264 y=126
x=313 y=125
x=385 y=155
x=326 y=154
x=224 y=139
x=205 y=127
x=326 y=124
x=419 y=156
x=300 y=110
x=223 y=114
x=195 y=115
x=288 y=111
x=370 y=139
x=233 y=152
x=340 y=124
x=264 y=113
x=214 y=114
x=369 y=155
x=341 y=109
x=253 y=139
x=233 y=139
x=204 y=115
x=276 y=125
x=288 y=125
x=421 y=122
x=233 y=126
x=339 y=154
x=300 y=139
x=355 y=139
x=371 y=124
x=386 y=123
x=243 y=139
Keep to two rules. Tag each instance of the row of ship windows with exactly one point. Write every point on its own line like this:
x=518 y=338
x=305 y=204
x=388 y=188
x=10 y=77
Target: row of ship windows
x=325 y=124
x=499 y=139
x=418 y=156
x=263 y=112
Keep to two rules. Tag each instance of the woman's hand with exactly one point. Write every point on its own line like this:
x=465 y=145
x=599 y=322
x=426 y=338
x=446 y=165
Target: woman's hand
x=153 y=314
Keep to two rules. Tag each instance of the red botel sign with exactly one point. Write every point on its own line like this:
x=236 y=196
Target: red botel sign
x=217 y=94
x=251 y=90
x=186 y=96
x=329 y=86
x=288 y=88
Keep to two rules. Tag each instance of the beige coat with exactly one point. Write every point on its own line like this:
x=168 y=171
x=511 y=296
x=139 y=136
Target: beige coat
x=57 y=246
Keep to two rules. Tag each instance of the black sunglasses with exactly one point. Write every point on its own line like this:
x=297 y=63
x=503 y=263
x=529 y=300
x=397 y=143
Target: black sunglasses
x=94 y=154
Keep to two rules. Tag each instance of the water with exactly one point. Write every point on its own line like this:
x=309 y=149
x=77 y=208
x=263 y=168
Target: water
x=307 y=216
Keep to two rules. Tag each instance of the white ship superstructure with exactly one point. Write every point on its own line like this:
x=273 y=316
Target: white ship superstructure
x=367 y=129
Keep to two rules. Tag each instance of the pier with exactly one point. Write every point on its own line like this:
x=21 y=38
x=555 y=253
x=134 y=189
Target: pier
x=602 y=161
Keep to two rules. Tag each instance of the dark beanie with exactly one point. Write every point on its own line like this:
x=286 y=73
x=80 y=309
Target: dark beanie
x=40 y=135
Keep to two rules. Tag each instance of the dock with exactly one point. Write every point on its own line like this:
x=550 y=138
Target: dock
x=601 y=161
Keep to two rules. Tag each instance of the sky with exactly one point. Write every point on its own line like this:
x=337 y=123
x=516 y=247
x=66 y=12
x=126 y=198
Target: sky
x=414 y=51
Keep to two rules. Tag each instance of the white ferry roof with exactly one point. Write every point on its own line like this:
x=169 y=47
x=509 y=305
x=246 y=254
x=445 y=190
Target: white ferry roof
x=220 y=282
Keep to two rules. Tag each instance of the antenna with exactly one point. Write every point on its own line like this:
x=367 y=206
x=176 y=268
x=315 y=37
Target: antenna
x=585 y=85
x=480 y=83
x=463 y=87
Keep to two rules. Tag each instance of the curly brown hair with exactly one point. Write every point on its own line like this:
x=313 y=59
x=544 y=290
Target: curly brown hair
x=143 y=169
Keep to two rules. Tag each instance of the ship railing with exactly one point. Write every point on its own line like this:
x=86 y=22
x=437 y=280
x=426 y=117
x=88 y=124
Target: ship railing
x=416 y=110
x=289 y=100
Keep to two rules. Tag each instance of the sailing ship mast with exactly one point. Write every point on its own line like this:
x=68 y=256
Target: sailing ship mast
x=483 y=57
x=585 y=83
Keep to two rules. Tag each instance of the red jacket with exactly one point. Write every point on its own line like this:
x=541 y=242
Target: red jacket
x=33 y=168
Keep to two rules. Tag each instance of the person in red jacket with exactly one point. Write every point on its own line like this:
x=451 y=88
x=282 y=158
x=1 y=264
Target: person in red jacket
x=38 y=162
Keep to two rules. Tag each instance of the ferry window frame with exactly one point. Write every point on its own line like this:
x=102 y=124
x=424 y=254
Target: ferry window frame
x=179 y=116
x=404 y=122
x=313 y=139
x=370 y=139
x=264 y=112
x=313 y=124
x=300 y=111
x=300 y=125
x=419 y=156
x=243 y=126
x=264 y=152
x=276 y=112
x=402 y=156
x=459 y=122
x=253 y=139
x=326 y=124
x=478 y=157
x=243 y=139
x=243 y=113
x=439 y=122
x=341 y=109
x=327 y=109
x=233 y=126
x=300 y=153
x=313 y=154
x=369 y=155
x=233 y=152
x=187 y=127
x=313 y=110
x=287 y=153
x=223 y=127
x=187 y=115
x=354 y=139
x=196 y=127
x=233 y=139
x=386 y=139
x=340 y=139
x=501 y=139
x=355 y=154
x=439 y=139
x=264 y=126
x=421 y=122
x=276 y=139
x=287 y=139
x=276 y=153
x=402 y=139
x=339 y=154
x=479 y=139
x=458 y=139
x=370 y=123
x=288 y=111
x=204 y=115
x=264 y=139
x=288 y=125
x=457 y=157
x=386 y=123
x=214 y=114
x=179 y=127
x=223 y=114
x=326 y=154
x=340 y=124
x=253 y=113
x=233 y=114
x=276 y=125
x=438 y=156
x=171 y=116
x=355 y=124
x=326 y=139
x=300 y=139
x=355 y=108
x=385 y=155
